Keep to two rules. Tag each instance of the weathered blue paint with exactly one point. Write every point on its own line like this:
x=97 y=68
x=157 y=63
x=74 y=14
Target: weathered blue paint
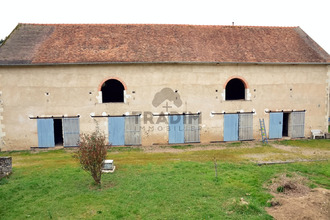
x=176 y=129
x=71 y=132
x=230 y=132
x=116 y=130
x=275 y=125
x=45 y=132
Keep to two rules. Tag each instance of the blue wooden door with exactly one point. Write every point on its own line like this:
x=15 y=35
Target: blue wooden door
x=230 y=131
x=45 y=132
x=176 y=129
x=71 y=132
x=275 y=125
x=116 y=130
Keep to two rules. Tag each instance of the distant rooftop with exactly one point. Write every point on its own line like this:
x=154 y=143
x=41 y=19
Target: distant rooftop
x=40 y=44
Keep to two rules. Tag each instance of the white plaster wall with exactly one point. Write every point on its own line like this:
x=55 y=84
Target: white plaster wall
x=72 y=90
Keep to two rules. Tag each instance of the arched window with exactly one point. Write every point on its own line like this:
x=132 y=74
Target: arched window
x=112 y=91
x=235 y=89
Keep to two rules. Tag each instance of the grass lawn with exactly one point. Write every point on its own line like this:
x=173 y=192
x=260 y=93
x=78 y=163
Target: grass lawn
x=307 y=143
x=51 y=185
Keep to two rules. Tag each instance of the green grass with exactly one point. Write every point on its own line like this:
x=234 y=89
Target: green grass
x=308 y=143
x=123 y=149
x=180 y=146
x=190 y=146
x=51 y=185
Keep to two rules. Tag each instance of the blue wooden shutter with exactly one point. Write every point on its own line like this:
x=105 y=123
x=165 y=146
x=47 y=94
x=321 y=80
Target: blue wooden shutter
x=230 y=132
x=132 y=130
x=45 y=132
x=71 y=132
x=191 y=128
x=275 y=125
x=297 y=124
x=116 y=130
x=176 y=129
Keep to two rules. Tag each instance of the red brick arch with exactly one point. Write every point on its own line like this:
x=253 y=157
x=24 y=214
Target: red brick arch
x=116 y=78
x=246 y=85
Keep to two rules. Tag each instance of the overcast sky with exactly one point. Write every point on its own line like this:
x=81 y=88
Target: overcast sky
x=313 y=16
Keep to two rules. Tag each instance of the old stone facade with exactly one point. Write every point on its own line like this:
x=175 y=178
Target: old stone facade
x=56 y=91
x=5 y=166
x=50 y=104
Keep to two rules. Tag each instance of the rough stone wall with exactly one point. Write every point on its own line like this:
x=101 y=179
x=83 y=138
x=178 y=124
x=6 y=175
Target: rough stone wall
x=2 y=133
x=328 y=92
x=72 y=90
x=5 y=166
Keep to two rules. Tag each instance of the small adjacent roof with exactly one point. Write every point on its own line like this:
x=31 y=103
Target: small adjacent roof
x=40 y=44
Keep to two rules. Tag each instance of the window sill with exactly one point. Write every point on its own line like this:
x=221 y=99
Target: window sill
x=113 y=103
x=237 y=100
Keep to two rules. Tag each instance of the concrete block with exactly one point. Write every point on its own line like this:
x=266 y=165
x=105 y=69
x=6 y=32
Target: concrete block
x=327 y=135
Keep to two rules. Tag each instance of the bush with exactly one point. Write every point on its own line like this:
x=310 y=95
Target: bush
x=91 y=154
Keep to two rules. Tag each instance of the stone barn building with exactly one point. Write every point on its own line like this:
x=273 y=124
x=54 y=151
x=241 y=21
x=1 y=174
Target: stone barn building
x=144 y=84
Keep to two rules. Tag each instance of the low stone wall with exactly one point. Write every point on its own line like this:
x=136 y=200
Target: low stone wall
x=5 y=166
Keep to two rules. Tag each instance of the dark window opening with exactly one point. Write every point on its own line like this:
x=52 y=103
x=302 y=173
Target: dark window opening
x=235 y=90
x=112 y=91
x=285 y=131
x=58 y=132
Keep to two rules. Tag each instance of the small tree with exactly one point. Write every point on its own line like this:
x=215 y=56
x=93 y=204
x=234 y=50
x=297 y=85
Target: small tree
x=91 y=154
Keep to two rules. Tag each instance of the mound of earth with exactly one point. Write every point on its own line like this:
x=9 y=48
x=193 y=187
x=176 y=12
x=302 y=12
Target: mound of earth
x=294 y=200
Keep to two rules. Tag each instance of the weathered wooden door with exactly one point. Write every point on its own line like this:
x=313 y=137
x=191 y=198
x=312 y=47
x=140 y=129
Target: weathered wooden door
x=230 y=132
x=176 y=129
x=71 y=132
x=132 y=130
x=191 y=129
x=45 y=132
x=275 y=125
x=245 y=125
x=297 y=124
x=116 y=127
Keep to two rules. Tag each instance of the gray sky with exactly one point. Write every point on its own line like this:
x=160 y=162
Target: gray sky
x=313 y=16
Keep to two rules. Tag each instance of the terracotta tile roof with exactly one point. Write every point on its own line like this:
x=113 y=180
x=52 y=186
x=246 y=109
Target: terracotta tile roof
x=111 y=43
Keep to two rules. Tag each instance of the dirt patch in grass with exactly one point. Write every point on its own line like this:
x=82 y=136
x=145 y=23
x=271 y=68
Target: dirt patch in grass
x=293 y=199
x=305 y=151
x=169 y=149
x=197 y=147
x=261 y=157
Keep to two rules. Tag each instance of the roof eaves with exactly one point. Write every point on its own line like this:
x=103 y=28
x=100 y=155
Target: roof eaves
x=170 y=62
